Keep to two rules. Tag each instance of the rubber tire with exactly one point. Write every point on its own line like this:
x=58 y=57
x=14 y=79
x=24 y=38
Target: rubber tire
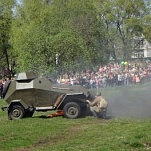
x=29 y=113
x=72 y=110
x=16 y=112
x=84 y=109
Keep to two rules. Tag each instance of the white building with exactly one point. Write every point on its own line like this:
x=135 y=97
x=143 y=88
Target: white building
x=142 y=49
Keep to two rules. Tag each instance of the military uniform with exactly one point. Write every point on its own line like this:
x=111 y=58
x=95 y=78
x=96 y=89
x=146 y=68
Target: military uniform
x=98 y=106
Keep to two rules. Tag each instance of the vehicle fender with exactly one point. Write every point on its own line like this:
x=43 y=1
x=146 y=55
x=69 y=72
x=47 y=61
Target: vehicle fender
x=21 y=102
x=78 y=98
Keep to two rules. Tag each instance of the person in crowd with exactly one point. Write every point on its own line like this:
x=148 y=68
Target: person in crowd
x=137 y=78
x=91 y=83
x=98 y=106
x=119 y=77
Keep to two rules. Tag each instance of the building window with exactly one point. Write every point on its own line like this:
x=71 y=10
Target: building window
x=139 y=54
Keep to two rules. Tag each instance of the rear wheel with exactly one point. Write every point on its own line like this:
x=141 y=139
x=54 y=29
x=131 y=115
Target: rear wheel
x=16 y=112
x=72 y=110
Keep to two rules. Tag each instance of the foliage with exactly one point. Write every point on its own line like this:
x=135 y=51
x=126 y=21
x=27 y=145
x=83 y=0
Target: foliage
x=67 y=28
x=5 y=25
x=146 y=21
x=81 y=33
x=124 y=16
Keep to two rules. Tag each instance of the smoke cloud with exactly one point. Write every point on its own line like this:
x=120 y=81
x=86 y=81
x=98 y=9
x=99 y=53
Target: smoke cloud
x=134 y=102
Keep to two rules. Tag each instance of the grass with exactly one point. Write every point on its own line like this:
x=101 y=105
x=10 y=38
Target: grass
x=88 y=133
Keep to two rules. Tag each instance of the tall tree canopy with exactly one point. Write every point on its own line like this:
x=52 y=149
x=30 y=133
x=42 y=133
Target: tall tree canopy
x=44 y=29
x=125 y=16
x=42 y=35
x=6 y=11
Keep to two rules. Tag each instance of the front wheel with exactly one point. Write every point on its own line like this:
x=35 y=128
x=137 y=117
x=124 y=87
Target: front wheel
x=72 y=110
x=16 y=112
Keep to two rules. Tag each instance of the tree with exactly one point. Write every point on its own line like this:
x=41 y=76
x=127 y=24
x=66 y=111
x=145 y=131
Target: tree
x=67 y=28
x=124 y=16
x=146 y=22
x=147 y=27
x=6 y=14
x=84 y=22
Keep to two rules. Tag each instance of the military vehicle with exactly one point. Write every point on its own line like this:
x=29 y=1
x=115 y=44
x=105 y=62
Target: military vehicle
x=29 y=93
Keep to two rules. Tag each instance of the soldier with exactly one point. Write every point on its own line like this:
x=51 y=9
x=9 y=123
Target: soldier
x=90 y=97
x=98 y=107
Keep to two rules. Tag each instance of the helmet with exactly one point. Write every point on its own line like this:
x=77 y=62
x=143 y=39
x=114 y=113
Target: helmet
x=88 y=93
x=98 y=94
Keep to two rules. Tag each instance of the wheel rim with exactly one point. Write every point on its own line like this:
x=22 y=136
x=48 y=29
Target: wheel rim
x=16 y=113
x=72 y=110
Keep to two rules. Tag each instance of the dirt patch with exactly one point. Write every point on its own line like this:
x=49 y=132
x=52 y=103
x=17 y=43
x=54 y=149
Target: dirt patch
x=74 y=129
x=147 y=145
x=49 y=140
x=53 y=139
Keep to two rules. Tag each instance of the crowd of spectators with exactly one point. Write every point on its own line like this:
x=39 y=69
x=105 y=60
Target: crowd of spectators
x=110 y=75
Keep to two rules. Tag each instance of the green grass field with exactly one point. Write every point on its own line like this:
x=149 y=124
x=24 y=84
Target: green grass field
x=82 y=134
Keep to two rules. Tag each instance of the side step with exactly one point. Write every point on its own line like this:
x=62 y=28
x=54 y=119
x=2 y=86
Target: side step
x=44 y=109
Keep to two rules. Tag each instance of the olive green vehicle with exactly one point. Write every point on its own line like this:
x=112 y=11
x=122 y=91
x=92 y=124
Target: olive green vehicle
x=29 y=93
